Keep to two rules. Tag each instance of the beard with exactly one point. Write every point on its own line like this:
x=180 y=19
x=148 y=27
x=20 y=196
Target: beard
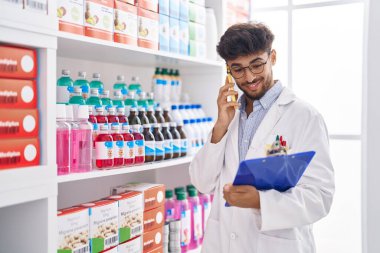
x=266 y=84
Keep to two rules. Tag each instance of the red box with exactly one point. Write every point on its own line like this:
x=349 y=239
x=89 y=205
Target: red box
x=154 y=218
x=152 y=240
x=15 y=123
x=158 y=250
x=98 y=19
x=20 y=63
x=148 y=28
x=17 y=153
x=19 y=94
x=151 y=5
x=125 y=23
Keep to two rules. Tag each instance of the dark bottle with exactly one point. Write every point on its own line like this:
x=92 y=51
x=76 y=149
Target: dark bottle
x=184 y=141
x=167 y=116
x=168 y=141
x=142 y=116
x=152 y=119
x=159 y=117
x=133 y=119
x=160 y=142
x=176 y=140
x=150 y=144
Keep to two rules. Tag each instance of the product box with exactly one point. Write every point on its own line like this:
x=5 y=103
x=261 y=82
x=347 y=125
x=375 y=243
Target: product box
x=40 y=6
x=13 y=3
x=104 y=232
x=148 y=25
x=154 y=218
x=18 y=94
x=197 y=13
x=174 y=9
x=73 y=230
x=17 y=153
x=70 y=15
x=184 y=10
x=197 y=49
x=157 y=250
x=164 y=34
x=125 y=23
x=152 y=240
x=18 y=123
x=131 y=209
x=151 y=5
x=131 y=246
x=197 y=32
x=174 y=35
x=198 y=2
x=154 y=194
x=163 y=7
x=98 y=16
x=15 y=62
x=184 y=37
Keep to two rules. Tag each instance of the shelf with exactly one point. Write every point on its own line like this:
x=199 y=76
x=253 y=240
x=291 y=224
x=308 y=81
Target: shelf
x=87 y=48
x=124 y=170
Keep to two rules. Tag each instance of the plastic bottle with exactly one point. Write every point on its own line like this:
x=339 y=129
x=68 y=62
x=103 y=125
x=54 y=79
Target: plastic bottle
x=173 y=86
x=74 y=139
x=76 y=97
x=196 y=218
x=96 y=83
x=182 y=111
x=204 y=128
x=201 y=134
x=130 y=101
x=83 y=84
x=120 y=111
x=129 y=143
x=157 y=86
x=150 y=144
x=205 y=201
x=189 y=112
x=196 y=140
x=200 y=110
x=166 y=82
x=62 y=141
x=210 y=124
x=159 y=142
x=132 y=118
x=167 y=116
x=179 y=189
x=118 y=145
x=183 y=212
x=190 y=136
x=150 y=115
x=143 y=101
x=150 y=98
x=168 y=139
x=105 y=97
x=84 y=139
x=142 y=116
x=91 y=116
x=179 y=85
x=94 y=99
x=176 y=140
x=100 y=117
x=112 y=118
x=135 y=85
x=63 y=84
x=175 y=114
x=118 y=98
x=104 y=157
x=169 y=206
x=184 y=141
x=139 y=144
x=120 y=83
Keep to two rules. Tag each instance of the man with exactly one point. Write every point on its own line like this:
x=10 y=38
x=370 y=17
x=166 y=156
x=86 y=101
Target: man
x=261 y=221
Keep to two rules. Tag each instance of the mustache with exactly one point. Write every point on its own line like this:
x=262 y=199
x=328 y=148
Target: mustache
x=253 y=81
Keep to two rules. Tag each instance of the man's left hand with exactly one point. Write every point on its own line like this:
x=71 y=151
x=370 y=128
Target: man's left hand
x=245 y=196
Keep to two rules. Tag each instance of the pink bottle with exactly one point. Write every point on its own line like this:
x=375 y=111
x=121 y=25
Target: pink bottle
x=205 y=201
x=85 y=140
x=196 y=218
x=183 y=212
x=120 y=111
x=118 y=145
x=74 y=139
x=63 y=141
x=169 y=206
x=104 y=149
x=112 y=118
x=129 y=143
x=139 y=144
x=101 y=118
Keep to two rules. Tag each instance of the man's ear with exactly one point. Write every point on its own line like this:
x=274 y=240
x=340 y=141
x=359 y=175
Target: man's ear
x=273 y=57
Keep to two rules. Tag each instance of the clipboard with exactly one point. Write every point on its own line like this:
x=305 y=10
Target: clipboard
x=274 y=172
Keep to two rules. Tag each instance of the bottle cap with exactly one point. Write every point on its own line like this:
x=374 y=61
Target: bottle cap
x=60 y=111
x=166 y=124
x=173 y=124
x=69 y=112
x=193 y=192
x=168 y=194
x=186 y=121
x=150 y=109
x=204 y=119
x=181 y=195
x=181 y=107
x=135 y=79
x=180 y=124
x=209 y=119
x=158 y=109
x=141 y=109
x=192 y=121
x=96 y=75
x=65 y=72
x=83 y=111
x=187 y=107
x=174 y=107
x=133 y=109
x=82 y=74
x=190 y=186
x=179 y=189
x=120 y=78
x=193 y=106
x=199 y=120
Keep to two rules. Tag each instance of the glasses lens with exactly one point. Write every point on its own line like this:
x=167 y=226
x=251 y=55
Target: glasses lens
x=237 y=73
x=257 y=68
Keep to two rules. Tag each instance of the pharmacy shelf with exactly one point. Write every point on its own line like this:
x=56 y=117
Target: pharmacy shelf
x=92 y=49
x=124 y=170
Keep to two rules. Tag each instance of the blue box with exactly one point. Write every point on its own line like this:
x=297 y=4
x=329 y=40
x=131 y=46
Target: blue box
x=174 y=35
x=163 y=7
x=174 y=9
x=184 y=37
x=164 y=33
x=184 y=10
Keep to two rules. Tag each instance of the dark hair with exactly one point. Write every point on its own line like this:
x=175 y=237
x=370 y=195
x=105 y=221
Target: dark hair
x=245 y=39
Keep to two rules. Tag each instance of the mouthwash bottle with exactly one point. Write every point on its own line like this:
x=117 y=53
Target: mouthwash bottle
x=130 y=102
x=120 y=111
x=169 y=206
x=142 y=101
x=160 y=142
x=112 y=118
x=183 y=213
x=94 y=99
x=76 y=97
x=118 y=98
x=74 y=138
x=96 y=83
x=101 y=118
x=83 y=84
x=142 y=116
x=196 y=218
x=135 y=85
x=104 y=157
x=139 y=144
x=132 y=118
x=118 y=145
x=168 y=141
x=129 y=142
x=105 y=97
x=63 y=83
x=176 y=140
x=157 y=86
x=84 y=139
x=120 y=83
x=62 y=141
x=150 y=98
x=150 y=144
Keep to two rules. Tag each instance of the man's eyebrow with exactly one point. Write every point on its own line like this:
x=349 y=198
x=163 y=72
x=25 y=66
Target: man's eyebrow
x=253 y=61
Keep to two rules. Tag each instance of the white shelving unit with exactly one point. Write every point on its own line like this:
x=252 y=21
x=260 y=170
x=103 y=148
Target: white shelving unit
x=31 y=196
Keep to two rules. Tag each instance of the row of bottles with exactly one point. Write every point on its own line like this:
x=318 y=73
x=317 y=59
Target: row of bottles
x=167 y=85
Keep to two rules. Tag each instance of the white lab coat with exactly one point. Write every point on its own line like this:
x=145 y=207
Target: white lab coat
x=284 y=222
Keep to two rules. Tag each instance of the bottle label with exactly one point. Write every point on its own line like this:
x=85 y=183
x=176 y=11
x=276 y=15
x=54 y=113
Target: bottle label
x=207 y=210
x=168 y=146
x=184 y=145
x=150 y=147
x=139 y=148
x=160 y=147
x=198 y=231
x=104 y=150
x=118 y=149
x=176 y=146
x=129 y=149
x=185 y=227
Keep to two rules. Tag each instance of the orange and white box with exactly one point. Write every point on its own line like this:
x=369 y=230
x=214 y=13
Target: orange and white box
x=15 y=62
x=152 y=240
x=154 y=194
x=131 y=246
x=154 y=218
x=17 y=153
x=70 y=15
x=18 y=94
x=98 y=19
x=73 y=230
x=125 y=23
x=17 y=123
x=158 y=250
x=148 y=27
x=151 y=5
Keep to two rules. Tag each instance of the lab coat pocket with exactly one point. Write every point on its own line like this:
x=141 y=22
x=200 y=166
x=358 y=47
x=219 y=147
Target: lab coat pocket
x=273 y=244
x=212 y=240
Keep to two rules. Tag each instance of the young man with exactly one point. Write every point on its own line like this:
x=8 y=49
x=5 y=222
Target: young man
x=261 y=221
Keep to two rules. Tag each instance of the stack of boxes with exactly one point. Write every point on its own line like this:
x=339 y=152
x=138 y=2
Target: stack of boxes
x=19 y=118
x=197 y=28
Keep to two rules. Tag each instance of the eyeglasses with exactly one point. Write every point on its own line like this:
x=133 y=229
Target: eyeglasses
x=255 y=68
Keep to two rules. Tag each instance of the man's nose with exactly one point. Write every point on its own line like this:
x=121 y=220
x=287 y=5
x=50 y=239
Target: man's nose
x=249 y=75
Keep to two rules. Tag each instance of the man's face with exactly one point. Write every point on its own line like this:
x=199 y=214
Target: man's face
x=253 y=84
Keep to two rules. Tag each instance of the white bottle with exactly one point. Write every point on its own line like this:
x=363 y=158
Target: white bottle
x=166 y=83
x=189 y=112
x=176 y=115
x=196 y=140
x=183 y=112
x=199 y=133
x=190 y=136
x=201 y=113
x=205 y=129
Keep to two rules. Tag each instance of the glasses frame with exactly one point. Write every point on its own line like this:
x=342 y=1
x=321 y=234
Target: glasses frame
x=248 y=67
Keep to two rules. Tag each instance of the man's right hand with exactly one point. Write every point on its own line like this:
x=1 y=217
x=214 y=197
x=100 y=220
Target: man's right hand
x=226 y=111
